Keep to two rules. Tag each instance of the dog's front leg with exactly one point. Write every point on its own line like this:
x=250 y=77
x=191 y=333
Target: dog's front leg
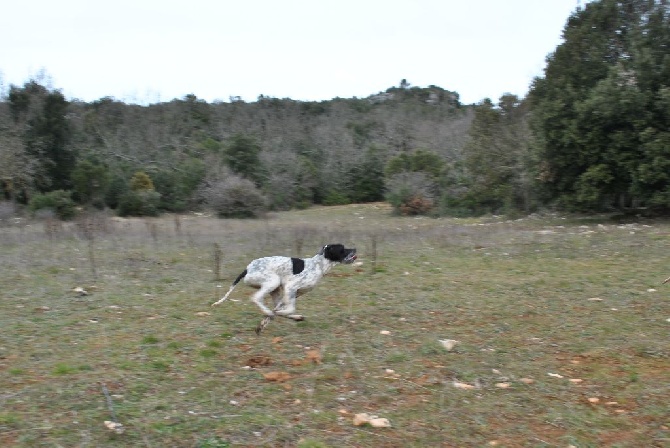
x=278 y=311
x=288 y=301
x=288 y=310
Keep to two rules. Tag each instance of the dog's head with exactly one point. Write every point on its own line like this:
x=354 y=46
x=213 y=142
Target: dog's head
x=338 y=253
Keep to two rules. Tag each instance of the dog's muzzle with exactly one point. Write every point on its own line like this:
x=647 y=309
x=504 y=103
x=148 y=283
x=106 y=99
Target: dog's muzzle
x=350 y=258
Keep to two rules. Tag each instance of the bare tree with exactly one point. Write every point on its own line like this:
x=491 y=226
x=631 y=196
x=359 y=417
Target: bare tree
x=17 y=168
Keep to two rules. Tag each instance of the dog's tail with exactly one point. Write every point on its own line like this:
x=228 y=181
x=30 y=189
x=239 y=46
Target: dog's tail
x=237 y=280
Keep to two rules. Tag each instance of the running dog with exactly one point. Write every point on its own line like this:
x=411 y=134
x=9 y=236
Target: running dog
x=286 y=278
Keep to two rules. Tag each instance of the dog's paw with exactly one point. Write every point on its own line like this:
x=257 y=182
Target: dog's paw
x=264 y=323
x=296 y=317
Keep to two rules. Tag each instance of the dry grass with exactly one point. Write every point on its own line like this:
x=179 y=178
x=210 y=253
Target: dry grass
x=520 y=297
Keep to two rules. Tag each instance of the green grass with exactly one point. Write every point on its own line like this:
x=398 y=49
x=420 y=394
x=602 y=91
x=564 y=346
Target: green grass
x=519 y=296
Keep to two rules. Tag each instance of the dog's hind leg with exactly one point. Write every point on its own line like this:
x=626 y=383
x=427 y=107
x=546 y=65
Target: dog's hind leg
x=264 y=323
x=276 y=296
x=288 y=301
x=269 y=284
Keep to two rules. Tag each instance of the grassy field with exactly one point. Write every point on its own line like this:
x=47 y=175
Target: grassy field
x=563 y=328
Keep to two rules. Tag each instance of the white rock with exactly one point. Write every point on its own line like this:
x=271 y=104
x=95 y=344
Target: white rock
x=448 y=344
x=380 y=423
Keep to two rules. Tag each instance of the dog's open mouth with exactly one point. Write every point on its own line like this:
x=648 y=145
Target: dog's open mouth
x=350 y=258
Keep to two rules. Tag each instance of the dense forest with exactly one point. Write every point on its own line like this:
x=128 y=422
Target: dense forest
x=592 y=135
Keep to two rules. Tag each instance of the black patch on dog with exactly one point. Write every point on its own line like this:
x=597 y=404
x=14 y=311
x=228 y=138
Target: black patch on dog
x=298 y=265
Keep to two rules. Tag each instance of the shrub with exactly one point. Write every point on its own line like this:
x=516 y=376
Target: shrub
x=416 y=205
x=141 y=182
x=336 y=198
x=58 y=201
x=411 y=193
x=139 y=203
x=235 y=197
x=117 y=188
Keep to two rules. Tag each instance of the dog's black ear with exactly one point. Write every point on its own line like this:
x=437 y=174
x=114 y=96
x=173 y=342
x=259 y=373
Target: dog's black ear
x=334 y=252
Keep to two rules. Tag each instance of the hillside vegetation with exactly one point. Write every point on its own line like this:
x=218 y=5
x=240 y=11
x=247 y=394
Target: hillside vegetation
x=295 y=153
x=592 y=135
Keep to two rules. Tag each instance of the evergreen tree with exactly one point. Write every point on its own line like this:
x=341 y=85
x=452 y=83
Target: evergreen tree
x=651 y=178
x=90 y=181
x=366 y=180
x=496 y=158
x=242 y=155
x=42 y=114
x=600 y=113
x=420 y=160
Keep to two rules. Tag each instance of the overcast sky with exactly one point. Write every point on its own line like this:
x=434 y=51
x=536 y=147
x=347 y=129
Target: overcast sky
x=149 y=50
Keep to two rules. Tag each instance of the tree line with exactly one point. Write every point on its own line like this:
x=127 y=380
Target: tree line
x=237 y=158
x=592 y=135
